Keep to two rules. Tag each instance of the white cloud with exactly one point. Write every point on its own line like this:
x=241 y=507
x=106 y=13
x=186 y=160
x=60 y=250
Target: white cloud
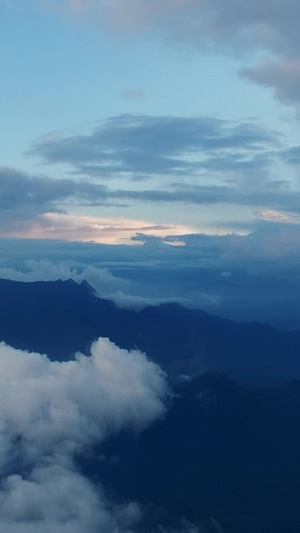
x=101 y=279
x=49 y=411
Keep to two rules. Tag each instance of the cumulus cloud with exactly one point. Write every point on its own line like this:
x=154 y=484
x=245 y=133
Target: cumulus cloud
x=51 y=411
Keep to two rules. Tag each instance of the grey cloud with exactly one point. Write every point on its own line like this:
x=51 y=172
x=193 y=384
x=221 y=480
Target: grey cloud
x=20 y=191
x=238 y=158
x=139 y=146
x=230 y=26
x=267 y=23
x=283 y=77
x=24 y=198
x=49 y=412
x=272 y=194
x=292 y=155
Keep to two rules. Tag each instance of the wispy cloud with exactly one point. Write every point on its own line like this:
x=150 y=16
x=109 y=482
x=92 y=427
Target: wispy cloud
x=132 y=95
x=138 y=146
x=87 y=228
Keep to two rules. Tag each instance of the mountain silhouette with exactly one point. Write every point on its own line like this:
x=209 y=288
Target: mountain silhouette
x=223 y=450
x=60 y=318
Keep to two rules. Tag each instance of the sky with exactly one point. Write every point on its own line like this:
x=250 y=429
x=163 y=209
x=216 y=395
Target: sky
x=150 y=147
x=168 y=122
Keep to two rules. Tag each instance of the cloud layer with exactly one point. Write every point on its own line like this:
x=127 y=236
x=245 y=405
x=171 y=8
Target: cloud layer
x=242 y=277
x=140 y=146
x=130 y=160
x=52 y=411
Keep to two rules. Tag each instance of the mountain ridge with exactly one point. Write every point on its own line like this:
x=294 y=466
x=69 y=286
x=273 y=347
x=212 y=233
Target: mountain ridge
x=60 y=318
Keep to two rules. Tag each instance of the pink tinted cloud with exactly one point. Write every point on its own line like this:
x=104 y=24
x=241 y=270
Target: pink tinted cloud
x=87 y=228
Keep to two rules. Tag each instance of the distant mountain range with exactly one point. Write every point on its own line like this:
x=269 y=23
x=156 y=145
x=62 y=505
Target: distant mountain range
x=59 y=318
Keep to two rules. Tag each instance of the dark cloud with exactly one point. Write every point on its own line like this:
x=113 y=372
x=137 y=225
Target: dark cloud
x=217 y=161
x=41 y=193
x=272 y=194
x=140 y=146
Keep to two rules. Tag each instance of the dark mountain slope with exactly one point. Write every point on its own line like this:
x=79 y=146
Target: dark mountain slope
x=223 y=450
x=58 y=318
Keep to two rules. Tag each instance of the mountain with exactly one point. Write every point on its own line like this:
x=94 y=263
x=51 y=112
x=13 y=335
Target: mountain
x=224 y=450
x=226 y=455
x=61 y=317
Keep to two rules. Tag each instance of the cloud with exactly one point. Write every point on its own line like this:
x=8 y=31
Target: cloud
x=260 y=27
x=41 y=207
x=87 y=228
x=264 y=281
x=101 y=279
x=22 y=196
x=141 y=146
x=292 y=155
x=105 y=284
x=250 y=191
x=188 y=160
x=275 y=216
x=132 y=95
x=38 y=207
x=78 y=9
x=267 y=24
x=267 y=27
x=198 y=161
x=52 y=411
x=284 y=77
